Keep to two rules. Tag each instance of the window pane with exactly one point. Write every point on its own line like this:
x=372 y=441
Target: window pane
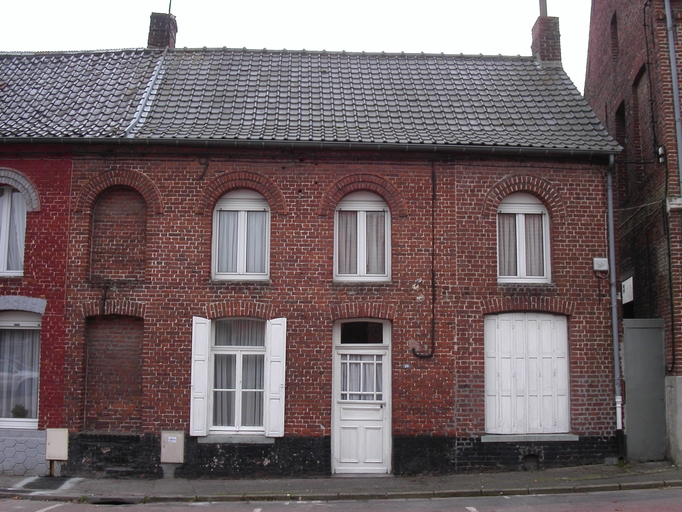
x=17 y=229
x=223 y=409
x=256 y=236
x=347 y=243
x=253 y=366
x=376 y=242
x=227 y=241
x=19 y=367
x=240 y=333
x=506 y=223
x=224 y=384
x=534 y=246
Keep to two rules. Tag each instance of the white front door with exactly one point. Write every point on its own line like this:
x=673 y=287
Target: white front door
x=361 y=410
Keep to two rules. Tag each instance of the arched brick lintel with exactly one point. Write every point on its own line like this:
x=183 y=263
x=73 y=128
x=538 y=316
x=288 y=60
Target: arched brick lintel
x=133 y=179
x=363 y=310
x=233 y=309
x=17 y=180
x=121 y=307
x=21 y=303
x=232 y=181
x=539 y=187
x=527 y=304
x=362 y=182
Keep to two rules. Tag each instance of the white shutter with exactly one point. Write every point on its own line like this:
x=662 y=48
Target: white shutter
x=201 y=349
x=275 y=353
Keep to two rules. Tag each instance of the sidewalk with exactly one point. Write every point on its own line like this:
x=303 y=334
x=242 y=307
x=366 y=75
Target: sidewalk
x=564 y=480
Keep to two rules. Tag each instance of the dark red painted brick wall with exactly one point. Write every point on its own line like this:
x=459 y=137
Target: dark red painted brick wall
x=45 y=265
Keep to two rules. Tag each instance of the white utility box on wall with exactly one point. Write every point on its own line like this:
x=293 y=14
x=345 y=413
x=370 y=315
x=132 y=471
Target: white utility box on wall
x=57 y=445
x=172 y=447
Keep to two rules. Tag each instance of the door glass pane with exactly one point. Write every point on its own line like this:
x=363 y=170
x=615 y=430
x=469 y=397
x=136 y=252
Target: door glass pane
x=256 y=236
x=361 y=376
x=347 y=243
x=227 y=241
x=362 y=332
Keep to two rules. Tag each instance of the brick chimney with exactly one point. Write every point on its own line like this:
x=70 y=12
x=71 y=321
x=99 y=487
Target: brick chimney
x=546 y=45
x=162 y=30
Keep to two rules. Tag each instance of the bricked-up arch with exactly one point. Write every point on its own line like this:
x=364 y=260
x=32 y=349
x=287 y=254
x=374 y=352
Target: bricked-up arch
x=113 y=387
x=119 y=178
x=118 y=244
x=235 y=308
x=358 y=183
x=20 y=182
x=540 y=188
x=241 y=180
x=528 y=304
x=122 y=307
x=363 y=310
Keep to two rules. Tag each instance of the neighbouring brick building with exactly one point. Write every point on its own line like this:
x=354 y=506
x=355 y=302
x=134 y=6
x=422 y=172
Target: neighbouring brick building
x=305 y=263
x=630 y=85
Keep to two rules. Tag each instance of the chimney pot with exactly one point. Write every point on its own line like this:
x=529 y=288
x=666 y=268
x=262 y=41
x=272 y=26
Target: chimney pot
x=162 y=30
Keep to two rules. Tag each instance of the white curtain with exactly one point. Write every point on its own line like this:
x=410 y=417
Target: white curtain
x=228 y=223
x=361 y=377
x=224 y=389
x=534 y=246
x=19 y=370
x=256 y=226
x=253 y=379
x=506 y=223
x=240 y=333
x=376 y=242
x=347 y=243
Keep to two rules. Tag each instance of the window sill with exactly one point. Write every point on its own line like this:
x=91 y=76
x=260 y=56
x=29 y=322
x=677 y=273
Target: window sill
x=240 y=280
x=527 y=438
x=22 y=423
x=235 y=439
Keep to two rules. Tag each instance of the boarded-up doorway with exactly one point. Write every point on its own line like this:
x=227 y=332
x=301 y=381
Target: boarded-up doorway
x=644 y=372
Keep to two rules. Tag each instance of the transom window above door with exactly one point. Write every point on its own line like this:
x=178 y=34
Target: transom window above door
x=362 y=248
x=522 y=240
x=241 y=237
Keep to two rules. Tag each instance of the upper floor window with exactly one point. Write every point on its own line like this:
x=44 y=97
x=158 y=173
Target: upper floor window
x=12 y=231
x=241 y=236
x=362 y=238
x=523 y=240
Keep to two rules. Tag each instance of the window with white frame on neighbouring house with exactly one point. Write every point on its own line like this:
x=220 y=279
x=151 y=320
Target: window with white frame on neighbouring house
x=19 y=369
x=523 y=254
x=238 y=369
x=362 y=238
x=241 y=236
x=526 y=374
x=12 y=231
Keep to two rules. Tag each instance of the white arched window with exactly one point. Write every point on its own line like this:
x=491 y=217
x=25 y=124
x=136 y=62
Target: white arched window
x=12 y=231
x=241 y=236
x=362 y=238
x=522 y=240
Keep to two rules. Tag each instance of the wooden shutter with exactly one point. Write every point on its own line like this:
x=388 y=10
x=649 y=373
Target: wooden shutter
x=201 y=350
x=275 y=353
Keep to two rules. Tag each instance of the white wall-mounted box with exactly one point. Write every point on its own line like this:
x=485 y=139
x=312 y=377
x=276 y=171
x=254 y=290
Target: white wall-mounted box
x=172 y=447
x=57 y=444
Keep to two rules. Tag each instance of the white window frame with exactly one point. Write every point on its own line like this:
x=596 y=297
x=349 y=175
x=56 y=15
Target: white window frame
x=526 y=374
x=203 y=352
x=6 y=206
x=520 y=204
x=241 y=201
x=362 y=203
x=25 y=321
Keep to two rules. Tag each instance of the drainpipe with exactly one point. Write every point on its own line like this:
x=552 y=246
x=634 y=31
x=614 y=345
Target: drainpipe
x=676 y=87
x=614 y=298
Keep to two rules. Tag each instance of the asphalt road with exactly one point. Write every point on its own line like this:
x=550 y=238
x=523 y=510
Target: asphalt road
x=658 y=500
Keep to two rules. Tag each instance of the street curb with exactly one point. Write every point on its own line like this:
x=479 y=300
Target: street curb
x=100 y=499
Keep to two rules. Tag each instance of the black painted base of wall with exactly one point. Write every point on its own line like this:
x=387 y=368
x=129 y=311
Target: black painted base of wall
x=138 y=456
x=441 y=455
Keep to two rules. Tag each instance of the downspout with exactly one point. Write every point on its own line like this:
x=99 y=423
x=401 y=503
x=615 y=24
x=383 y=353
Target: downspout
x=614 y=298
x=676 y=86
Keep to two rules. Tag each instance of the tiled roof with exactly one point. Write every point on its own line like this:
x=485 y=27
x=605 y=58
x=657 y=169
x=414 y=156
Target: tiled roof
x=296 y=97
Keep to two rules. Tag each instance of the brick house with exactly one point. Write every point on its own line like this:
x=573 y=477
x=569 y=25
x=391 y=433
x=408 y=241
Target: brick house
x=630 y=85
x=309 y=263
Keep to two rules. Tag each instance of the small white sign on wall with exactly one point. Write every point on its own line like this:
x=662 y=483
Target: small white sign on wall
x=628 y=290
